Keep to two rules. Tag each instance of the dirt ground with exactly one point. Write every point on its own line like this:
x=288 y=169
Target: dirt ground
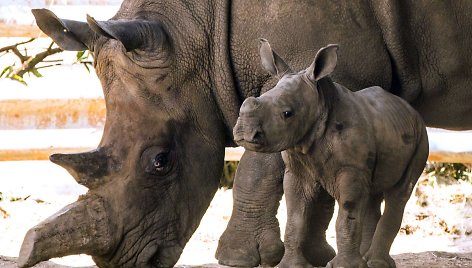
x=436 y=229
x=432 y=259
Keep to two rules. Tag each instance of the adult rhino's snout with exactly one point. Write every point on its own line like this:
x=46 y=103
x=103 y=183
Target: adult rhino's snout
x=248 y=128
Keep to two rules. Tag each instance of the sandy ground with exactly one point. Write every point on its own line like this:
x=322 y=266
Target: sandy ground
x=33 y=190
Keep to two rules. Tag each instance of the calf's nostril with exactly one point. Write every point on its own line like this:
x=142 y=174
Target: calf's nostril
x=257 y=136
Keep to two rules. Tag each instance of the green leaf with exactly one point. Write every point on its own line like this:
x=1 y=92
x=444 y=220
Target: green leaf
x=80 y=55
x=36 y=73
x=86 y=66
x=19 y=79
x=8 y=70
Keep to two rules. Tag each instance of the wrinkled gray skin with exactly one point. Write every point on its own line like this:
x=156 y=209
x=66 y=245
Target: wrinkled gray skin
x=174 y=74
x=361 y=147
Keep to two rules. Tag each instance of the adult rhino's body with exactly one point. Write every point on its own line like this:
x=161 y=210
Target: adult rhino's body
x=174 y=74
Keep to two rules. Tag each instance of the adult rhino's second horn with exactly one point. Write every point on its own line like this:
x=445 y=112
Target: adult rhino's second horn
x=88 y=168
x=81 y=227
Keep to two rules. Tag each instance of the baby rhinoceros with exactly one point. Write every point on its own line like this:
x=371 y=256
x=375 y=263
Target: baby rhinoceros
x=360 y=147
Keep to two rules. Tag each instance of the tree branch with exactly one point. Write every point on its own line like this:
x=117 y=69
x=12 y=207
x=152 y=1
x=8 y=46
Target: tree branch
x=11 y=47
x=30 y=64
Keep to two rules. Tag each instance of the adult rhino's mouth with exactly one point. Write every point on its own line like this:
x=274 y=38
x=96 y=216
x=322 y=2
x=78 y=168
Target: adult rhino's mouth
x=165 y=257
x=152 y=255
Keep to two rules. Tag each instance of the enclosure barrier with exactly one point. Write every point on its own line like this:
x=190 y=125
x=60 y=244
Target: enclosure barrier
x=32 y=129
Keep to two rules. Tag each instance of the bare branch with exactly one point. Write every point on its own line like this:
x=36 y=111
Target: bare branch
x=8 y=48
x=47 y=66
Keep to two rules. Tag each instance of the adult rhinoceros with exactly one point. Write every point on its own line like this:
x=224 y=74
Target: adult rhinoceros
x=174 y=74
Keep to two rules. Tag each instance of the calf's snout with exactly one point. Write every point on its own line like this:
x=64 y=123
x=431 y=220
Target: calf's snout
x=248 y=130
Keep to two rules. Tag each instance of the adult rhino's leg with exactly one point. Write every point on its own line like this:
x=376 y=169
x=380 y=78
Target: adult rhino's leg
x=252 y=236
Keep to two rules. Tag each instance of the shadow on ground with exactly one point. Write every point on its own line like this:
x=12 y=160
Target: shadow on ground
x=429 y=259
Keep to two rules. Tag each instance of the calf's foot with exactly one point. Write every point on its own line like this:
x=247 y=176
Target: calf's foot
x=319 y=252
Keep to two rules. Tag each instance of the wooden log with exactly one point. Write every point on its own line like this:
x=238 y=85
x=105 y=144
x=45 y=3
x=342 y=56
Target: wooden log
x=450 y=157
x=52 y=113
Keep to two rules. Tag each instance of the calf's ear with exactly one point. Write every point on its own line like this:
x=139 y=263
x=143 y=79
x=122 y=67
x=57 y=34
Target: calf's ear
x=272 y=62
x=68 y=34
x=324 y=62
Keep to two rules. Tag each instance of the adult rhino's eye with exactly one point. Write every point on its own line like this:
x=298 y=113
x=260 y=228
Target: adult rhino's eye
x=160 y=161
x=287 y=114
x=157 y=160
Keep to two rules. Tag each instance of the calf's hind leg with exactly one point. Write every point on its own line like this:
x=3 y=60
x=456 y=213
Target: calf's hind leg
x=371 y=218
x=387 y=228
x=395 y=201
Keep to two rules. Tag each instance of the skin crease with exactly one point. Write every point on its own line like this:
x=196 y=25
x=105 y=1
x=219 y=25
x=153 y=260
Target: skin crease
x=343 y=141
x=178 y=91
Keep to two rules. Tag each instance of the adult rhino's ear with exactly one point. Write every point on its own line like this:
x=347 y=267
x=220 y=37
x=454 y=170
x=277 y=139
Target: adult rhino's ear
x=68 y=34
x=272 y=62
x=133 y=34
x=324 y=63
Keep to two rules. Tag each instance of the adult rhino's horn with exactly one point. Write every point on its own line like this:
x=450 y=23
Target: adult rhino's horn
x=133 y=34
x=88 y=169
x=81 y=227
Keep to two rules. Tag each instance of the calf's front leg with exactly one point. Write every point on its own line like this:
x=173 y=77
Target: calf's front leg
x=309 y=209
x=351 y=192
x=298 y=213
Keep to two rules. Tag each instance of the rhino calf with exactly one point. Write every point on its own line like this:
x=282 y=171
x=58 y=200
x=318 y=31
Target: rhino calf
x=361 y=147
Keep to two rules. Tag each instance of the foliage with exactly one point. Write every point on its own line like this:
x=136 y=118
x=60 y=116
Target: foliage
x=227 y=177
x=448 y=171
x=444 y=172
x=82 y=57
x=32 y=64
